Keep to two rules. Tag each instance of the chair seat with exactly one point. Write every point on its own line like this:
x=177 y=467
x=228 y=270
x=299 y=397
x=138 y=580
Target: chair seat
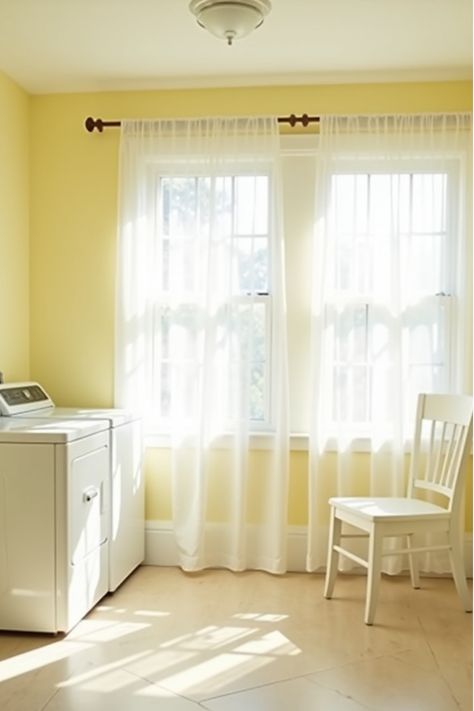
x=389 y=508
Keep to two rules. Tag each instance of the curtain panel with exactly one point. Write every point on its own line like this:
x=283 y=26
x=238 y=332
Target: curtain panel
x=201 y=332
x=391 y=303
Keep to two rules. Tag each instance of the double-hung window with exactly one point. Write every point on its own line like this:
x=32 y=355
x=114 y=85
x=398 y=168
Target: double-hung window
x=392 y=299
x=213 y=299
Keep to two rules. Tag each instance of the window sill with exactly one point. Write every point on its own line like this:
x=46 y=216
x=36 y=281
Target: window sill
x=299 y=442
x=258 y=440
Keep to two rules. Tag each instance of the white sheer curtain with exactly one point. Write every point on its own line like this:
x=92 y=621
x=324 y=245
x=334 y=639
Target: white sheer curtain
x=201 y=339
x=391 y=313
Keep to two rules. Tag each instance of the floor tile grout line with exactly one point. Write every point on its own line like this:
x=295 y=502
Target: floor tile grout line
x=295 y=677
x=359 y=660
x=440 y=671
x=254 y=687
x=160 y=686
x=305 y=676
x=437 y=673
x=283 y=680
x=45 y=707
x=348 y=664
x=341 y=694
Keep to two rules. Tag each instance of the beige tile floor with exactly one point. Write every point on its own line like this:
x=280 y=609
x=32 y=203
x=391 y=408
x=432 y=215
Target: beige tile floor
x=170 y=641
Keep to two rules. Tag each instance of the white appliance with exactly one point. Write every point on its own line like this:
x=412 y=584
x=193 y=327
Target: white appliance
x=127 y=489
x=54 y=521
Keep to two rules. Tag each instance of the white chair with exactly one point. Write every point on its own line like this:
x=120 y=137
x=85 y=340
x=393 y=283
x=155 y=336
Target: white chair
x=440 y=449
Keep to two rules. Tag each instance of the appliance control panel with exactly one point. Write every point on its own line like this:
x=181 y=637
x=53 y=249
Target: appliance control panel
x=18 y=398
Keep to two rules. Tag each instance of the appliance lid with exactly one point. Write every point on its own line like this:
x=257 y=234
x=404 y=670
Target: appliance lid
x=51 y=431
x=114 y=416
x=19 y=398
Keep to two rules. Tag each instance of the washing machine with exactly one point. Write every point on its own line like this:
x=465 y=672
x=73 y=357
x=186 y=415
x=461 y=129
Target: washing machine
x=54 y=521
x=127 y=488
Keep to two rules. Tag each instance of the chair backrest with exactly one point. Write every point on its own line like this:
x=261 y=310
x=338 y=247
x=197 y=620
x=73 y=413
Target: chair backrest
x=441 y=446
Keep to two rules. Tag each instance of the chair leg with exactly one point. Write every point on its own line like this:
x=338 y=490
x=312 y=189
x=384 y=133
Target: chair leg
x=457 y=566
x=413 y=563
x=333 y=556
x=373 y=574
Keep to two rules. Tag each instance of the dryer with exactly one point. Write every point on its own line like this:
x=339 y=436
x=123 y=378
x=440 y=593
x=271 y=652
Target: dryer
x=127 y=488
x=54 y=521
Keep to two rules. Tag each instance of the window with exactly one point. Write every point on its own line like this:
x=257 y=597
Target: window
x=378 y=301
x=226 y=219
x=390 y=303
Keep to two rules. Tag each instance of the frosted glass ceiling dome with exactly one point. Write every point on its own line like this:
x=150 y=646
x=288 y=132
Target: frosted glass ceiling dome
x=230 y=19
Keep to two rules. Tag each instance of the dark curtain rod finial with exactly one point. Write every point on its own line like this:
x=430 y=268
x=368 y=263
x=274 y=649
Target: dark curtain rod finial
x=92 y=124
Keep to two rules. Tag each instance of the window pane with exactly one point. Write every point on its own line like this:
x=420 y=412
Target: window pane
x=177 y=360
x=222 y=211
x=165 y=390
x=247 y=381
x=350 y=195
x=251 y=205
x=184 y=389
x=351 y=387
x=181 y=214
x=181 y=265
x=164 y=331
x=183 y=203
x=257 y=392
x=248 y=336
x=423 y=262
x=248 y=356
x=165 y=264
x=403 y=207
x=250 y=265
x=429 y=196
x=351 y=338
x=383 y=201
x=165 y=205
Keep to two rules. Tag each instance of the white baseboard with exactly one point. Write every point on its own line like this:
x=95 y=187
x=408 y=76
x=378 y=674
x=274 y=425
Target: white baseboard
x=161 y=549
x=160 y=545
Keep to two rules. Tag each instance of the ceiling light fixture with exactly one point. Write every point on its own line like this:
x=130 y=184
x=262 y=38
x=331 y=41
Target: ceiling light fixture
x=230 y=19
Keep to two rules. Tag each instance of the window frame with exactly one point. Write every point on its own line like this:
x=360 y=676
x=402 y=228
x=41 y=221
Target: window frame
x=159 y=428
x=372 y=165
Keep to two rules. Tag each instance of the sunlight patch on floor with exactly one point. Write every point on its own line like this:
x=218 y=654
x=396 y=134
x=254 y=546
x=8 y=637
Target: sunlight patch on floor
x=99 y=671
x=38 y=658
x=209 y=638
x=271 y=643
x=259 y=617
x=219 y=670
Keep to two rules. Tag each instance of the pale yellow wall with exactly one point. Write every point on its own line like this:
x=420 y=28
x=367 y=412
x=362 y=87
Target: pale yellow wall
x=73 y=217
x=14 y=227
x=158 y=478
x=74 y=203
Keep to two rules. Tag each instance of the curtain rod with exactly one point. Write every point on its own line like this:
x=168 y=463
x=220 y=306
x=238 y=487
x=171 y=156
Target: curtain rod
x=91 y=124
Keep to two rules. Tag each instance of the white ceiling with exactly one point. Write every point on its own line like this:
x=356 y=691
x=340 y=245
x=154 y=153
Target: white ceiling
x=100 y=45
